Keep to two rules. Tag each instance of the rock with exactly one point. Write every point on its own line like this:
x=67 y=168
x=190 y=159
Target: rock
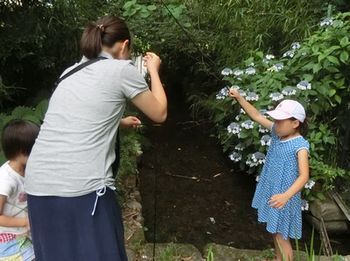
x=221 y=252
x=134 y=205
x=171 y=251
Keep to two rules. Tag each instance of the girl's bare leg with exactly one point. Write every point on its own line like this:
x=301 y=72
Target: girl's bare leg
x=283 y=248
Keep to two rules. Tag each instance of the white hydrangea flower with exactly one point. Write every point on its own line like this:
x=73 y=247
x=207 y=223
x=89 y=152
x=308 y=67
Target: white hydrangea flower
x=234 y=128
x=242 y=111
x=295 y=45
x=288 y=91
x=250 y=71
x=238 y=72
x=326 y=22
x=248 y=124
x=239 y=147
x=257 y=178
x=304 y=85
x=309 y=184
x=305 y=205
x=226 y=71
x=265 y=140
x=289 y=53
x=252 y=96
x=222 y=94
x=276 y=67
x=237 y=118
x=262 y=129
x=276 y=96
x=235 y=156
x=269 y=57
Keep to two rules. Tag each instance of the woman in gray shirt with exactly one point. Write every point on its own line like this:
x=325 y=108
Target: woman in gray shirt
x=72 y=208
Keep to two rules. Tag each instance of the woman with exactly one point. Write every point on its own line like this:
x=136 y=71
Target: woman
x=72 y=208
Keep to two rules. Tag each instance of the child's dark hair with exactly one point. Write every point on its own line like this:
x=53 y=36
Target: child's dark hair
x=104 y=32
x=18 y=137
x=303 y=127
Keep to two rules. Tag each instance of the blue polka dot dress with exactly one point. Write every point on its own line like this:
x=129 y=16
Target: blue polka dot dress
x=278 y=174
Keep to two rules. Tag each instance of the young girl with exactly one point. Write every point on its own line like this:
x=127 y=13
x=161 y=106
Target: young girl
x=17 y=140
x=286 y=171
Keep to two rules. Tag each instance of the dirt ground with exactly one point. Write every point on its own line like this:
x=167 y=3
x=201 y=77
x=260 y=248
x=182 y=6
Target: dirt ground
x=198 y=197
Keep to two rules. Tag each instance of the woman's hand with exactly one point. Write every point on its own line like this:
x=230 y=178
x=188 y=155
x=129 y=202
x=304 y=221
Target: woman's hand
x=152 y=62
x=130 y=122
x=278 y=200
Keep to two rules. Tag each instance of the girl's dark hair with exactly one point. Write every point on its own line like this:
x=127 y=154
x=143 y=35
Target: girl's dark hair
x=18 y=137
x=106 y=31
x=303 y=127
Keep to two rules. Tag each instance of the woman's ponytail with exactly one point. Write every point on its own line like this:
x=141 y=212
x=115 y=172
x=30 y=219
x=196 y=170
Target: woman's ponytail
x=91 y=41
x=105 y=32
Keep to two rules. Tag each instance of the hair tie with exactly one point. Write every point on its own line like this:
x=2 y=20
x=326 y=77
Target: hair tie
x=101 y=27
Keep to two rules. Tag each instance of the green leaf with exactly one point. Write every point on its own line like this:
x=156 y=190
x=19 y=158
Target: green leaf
x=151 y=7
x=337 y=99
x=344 y=56
x=332 y=92
x=344 y=41
x=333 y=59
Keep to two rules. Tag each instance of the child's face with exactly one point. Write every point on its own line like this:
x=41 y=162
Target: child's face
x=285 y=128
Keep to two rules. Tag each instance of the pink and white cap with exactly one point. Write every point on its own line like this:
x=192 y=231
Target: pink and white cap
x=288 y=109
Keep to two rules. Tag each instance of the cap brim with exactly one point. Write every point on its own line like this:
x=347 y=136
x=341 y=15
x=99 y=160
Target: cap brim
x=279 y=115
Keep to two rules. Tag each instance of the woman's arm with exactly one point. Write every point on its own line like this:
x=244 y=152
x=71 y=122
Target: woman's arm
x=153 y=103
x=6 y=221
x=130 y=122
x=252 y=112
x=279 y=200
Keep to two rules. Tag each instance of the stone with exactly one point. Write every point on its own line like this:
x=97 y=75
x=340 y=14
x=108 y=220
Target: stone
x=221 y=252
x=171 y=251
x=327 y=209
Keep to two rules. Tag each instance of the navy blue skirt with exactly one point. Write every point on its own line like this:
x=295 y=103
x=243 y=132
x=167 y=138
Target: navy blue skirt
x=63 y=228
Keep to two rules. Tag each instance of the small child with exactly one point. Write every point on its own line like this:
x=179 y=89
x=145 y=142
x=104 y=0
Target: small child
x=18 y=138
x=286 y=170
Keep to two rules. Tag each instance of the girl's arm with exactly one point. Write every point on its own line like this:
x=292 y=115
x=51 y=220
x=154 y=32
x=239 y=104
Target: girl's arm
x=6 y=221
x=252 y=112
x=279 y=200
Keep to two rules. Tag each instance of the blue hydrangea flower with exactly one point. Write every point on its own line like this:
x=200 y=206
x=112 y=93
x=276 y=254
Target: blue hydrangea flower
x=234 y=128
x=304 y=85
x=238 y=72
x=289 y=53
x=288 y=91
x=250 y=71
x=252 y=96
x=265 y=140
x=276 y=96
x=310 y=184
x=235 y=156
x=256 y=159
x=242 y=93
x=295 y=45
x=276 y=67
x=240 y=147
x=226 y=72
x=248 y=124
x=326 y=22
x=263 y=111
x=304 y=205
x=263 y=129
x=222 y=94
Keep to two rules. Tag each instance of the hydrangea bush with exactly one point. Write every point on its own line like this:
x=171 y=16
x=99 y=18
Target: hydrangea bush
x=315 y=73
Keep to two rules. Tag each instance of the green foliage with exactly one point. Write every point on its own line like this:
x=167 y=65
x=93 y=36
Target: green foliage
x=316 y=74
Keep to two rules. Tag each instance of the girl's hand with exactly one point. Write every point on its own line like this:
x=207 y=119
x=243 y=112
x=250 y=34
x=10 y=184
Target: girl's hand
x=152 y=62
x=234 y=93
x=130 y=122
x=278 y=200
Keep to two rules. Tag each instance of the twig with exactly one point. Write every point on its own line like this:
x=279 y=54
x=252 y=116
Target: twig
x=186 y=177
